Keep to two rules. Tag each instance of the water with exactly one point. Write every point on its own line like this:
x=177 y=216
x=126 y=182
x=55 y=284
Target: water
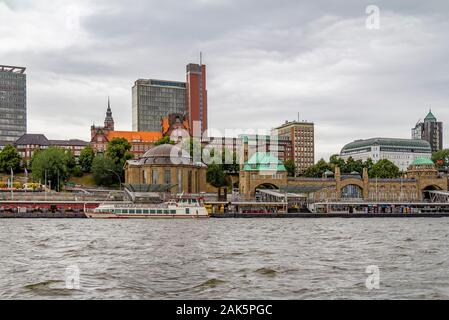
x=224 y=258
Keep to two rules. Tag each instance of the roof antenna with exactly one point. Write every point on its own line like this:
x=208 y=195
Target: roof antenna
x=201 y=58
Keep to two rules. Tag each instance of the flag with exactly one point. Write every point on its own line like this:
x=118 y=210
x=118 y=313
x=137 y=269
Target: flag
x=26 y=172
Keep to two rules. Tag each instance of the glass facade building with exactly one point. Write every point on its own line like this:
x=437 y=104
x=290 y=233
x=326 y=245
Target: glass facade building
x=156 y=99
x=13 y=111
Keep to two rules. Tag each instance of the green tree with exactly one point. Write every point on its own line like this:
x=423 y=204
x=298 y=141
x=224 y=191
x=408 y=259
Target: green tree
x=52 y=165
x=9 y=158
x=384 y=169
x=336 y=161
x=291 y=167
x=87 y=156
x=352 y=165
x=441 y=159
x=318 y=170
x=119 y=151
x=217 y=177
x=70 y=161
x=164 y=140
x=103 y=171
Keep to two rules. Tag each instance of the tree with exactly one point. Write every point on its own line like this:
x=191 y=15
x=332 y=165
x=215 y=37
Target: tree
x=70 y=161
x=336 y=161
x=318 y=170
x=87 y=156
x=9 y=159
x=441 y=159
x=164 y=140
x=217 y=177
x=103 y=171
x=51 y=164
x=119 y=152
x=291 y=167
x=384 y=169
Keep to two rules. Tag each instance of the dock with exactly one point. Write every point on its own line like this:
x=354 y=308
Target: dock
x=327 y=215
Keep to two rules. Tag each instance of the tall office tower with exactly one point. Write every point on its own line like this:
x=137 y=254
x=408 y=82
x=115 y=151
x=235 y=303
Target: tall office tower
x=196 y=96
x=302 y=137
x=13 y=110
x=153 y=100
x=430 y=130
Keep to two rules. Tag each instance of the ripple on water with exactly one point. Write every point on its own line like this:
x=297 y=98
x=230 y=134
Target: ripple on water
x=226 y=258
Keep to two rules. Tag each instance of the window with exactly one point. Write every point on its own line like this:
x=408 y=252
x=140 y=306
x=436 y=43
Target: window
x=167 y=177
x=154 y=177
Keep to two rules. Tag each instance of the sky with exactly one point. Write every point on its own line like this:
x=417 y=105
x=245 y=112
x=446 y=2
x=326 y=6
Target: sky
x=267 y=62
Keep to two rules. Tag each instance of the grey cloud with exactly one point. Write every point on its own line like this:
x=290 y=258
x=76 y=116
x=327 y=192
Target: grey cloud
x=267 y=61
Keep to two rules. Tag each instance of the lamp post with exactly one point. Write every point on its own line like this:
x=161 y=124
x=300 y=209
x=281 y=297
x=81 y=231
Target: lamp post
x=119 y=178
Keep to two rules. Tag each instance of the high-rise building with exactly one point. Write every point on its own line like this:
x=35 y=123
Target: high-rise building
x=196 y=96
x=302 y=137
x=430 y=130
x=153 y=100
x=13 y=110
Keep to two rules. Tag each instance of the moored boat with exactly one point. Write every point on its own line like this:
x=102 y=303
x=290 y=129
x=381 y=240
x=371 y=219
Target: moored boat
x=184 y=208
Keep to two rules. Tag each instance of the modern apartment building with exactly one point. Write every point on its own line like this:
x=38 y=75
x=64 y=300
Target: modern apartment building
x=302 y=137
x=13 y=110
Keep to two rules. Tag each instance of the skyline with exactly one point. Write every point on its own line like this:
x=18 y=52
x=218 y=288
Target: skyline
x=325 y=62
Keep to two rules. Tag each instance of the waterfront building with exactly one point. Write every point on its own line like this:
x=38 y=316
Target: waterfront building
x=402 y=152
x=167 y=167
x=414 y=186
x=302 y=137
x=430 y=130
x=13 y=104
x=153 y=100
x=196 y=100
x=29 y=143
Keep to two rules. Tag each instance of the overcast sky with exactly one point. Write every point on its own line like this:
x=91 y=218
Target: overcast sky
x=266 y=60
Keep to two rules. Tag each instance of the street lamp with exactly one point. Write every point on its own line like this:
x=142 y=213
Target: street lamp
x=119 y=178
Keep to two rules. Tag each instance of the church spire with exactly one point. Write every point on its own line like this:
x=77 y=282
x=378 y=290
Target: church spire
x=109 y=121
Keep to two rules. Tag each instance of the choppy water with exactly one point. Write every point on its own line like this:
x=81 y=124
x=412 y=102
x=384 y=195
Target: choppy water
x=225 y=258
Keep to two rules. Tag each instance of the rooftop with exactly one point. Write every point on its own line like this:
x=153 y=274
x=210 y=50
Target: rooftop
x=12 y=69
x=33 y=139
x=422 y=161
x=295 y=123
x=430 y=117
x=388 y=142
x=263 y=161
x=136 y=136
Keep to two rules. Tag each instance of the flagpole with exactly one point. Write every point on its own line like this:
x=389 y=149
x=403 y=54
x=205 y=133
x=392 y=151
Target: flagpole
x=12 y=184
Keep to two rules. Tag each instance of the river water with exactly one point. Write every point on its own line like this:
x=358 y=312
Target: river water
x=224 y=259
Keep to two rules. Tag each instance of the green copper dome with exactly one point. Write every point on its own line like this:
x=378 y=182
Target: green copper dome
x=430 y=117
x=421 y=161
x=263 y=161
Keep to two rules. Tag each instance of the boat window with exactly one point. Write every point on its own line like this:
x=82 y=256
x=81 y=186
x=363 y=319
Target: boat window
x=153 y=211
x=173 y=211
x=124 y=211
x=118 y=211
x=132 y=211
x=159 y=211
x=187 y=210
x=166 y=211
x=145 y=211
x=139 y=211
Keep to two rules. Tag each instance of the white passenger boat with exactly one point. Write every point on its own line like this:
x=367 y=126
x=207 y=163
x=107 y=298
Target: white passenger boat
x=185 y=208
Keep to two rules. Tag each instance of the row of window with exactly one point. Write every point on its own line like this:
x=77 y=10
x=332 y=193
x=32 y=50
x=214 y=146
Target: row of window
x=140 y=211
